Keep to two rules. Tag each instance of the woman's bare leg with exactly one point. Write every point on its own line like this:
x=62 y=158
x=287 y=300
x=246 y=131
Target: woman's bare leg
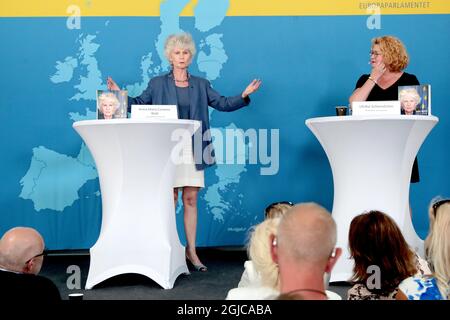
x=190 y=195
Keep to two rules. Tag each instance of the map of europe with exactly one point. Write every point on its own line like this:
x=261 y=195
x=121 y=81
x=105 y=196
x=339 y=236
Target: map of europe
x=54 y=179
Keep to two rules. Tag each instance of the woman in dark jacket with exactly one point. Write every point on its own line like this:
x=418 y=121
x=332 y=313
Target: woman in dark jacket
x=192 y=95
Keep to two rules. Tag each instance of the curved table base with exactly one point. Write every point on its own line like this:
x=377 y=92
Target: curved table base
x=371 y=160
x=166 y=283
x=136 y=172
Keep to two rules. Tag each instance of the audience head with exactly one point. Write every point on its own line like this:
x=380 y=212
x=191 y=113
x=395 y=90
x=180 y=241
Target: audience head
x=259 y=252
x=21 y=250
x=277 y=209
x=305 y=247
x=376 y=240
x=393 y=51
x=437 y=244
x=108 y=104
x=179 y=41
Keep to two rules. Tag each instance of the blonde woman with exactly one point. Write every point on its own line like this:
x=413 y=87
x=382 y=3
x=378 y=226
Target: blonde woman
x=192 y=95
x=437 y=249
x=388 y=60
x=257 y=241
x=260 y=279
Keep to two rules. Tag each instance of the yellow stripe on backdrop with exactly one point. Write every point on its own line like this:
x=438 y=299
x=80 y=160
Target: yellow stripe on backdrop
x=59 y=8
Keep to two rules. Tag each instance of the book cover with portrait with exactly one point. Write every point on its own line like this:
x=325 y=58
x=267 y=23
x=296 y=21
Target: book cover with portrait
x=112 y=104
x=415 y=100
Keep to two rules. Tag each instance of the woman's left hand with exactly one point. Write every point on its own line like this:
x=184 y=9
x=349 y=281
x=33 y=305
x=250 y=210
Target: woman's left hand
x=252 y=87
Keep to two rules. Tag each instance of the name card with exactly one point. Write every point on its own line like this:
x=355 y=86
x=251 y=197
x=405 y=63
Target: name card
x=367 y=108
x=154 y=111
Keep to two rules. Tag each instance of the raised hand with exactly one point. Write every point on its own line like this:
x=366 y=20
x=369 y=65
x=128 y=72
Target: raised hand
x=111 y=84
x=252 y=87
x=377 y=71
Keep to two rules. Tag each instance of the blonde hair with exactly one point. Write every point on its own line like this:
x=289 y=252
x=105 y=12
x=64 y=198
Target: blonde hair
x=108 y=96
x=394 y=52
x=437 y=246
x=277 y=210
x=259 y=252
x=409 y=92
x=182 y=40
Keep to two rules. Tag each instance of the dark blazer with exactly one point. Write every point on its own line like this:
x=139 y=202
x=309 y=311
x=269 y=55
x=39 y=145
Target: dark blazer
x=27 y=287
x=161 y=90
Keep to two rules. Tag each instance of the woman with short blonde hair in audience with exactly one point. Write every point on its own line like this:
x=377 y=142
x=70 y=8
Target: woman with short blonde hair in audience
x=260 y=279
x=437 y=250
x=250 y=276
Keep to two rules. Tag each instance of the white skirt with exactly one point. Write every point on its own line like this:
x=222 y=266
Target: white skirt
x=186 y=174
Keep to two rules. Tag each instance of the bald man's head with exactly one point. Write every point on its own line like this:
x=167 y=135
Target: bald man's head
x=18 y=246
x=307 y=233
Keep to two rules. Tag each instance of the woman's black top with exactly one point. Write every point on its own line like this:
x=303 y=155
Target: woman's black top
x=391 y=93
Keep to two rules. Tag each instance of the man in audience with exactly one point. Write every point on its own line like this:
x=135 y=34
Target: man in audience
x=21 y=257
x=305 y=250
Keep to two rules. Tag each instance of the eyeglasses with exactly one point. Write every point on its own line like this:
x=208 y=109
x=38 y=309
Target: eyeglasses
x=272 y=205
x=376 y=54
x=43 y=254
x=439 y=203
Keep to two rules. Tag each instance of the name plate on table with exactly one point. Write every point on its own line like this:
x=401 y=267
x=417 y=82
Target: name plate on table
x=154 y=111
x=367 y=108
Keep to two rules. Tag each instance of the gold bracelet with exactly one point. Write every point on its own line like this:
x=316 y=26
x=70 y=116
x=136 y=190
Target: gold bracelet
x=370 y=78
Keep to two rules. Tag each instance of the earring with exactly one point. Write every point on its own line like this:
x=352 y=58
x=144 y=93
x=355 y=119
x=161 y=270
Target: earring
x=333 y=254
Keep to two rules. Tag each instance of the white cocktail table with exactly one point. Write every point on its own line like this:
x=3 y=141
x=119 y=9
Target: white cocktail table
x=136 y=173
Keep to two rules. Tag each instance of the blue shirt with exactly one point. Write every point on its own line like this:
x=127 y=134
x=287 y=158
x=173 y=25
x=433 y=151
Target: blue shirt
x=183 y=102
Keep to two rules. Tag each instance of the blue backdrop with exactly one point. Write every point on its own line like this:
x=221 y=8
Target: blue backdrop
x=308 y=65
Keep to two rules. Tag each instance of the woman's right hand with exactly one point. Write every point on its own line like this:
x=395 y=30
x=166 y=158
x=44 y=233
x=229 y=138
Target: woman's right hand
x=112 y=85
x=377 y=71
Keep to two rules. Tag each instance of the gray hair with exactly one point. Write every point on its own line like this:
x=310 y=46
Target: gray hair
x=109 y=96
x=181 y=40
x=410 y=92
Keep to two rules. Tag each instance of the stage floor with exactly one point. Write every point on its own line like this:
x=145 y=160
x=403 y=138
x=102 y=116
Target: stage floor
x=225 y=267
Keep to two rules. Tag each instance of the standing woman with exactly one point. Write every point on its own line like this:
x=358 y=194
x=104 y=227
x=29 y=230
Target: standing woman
x=388 y=59
x=192 y=95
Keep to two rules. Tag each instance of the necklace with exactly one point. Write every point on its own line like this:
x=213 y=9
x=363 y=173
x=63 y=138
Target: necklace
x=308 y=290
x=182 y=81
